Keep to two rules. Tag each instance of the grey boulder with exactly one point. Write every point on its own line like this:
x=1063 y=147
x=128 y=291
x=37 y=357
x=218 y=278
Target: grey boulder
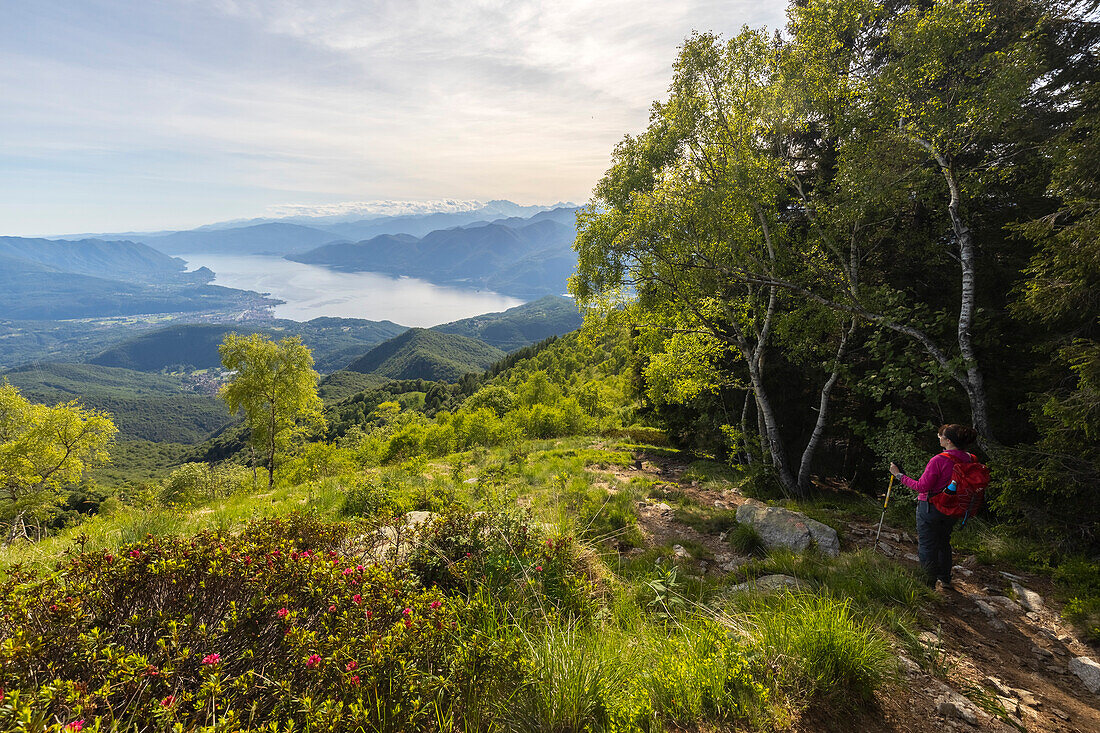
x=782 y=528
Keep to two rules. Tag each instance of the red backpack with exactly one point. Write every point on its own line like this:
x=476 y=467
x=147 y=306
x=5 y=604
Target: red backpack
x=970 y=479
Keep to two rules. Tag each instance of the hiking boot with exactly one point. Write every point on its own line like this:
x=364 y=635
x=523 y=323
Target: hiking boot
x=945 y=584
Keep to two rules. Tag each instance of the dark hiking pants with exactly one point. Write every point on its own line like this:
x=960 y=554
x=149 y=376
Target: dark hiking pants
x=934 y=542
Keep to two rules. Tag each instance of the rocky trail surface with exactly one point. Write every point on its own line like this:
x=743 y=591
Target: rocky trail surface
x=998 y=655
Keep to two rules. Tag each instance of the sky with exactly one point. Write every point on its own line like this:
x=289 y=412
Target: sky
x=168 y=114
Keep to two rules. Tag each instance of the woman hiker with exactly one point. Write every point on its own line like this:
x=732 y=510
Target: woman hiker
x=933 y=527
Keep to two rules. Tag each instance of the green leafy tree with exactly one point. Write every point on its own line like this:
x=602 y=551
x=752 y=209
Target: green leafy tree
x=43 y=448
x=692 y=225
x=274 y=384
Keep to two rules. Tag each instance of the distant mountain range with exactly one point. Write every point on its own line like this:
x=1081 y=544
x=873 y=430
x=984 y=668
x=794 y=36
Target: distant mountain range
x=274 y=238
x=525 y=258
x=523 y=251
x=56 y=279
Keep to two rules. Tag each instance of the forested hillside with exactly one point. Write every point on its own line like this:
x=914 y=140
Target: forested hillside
x=425 y=354
x=334 y=342
x=154 y=407
x=520 y=326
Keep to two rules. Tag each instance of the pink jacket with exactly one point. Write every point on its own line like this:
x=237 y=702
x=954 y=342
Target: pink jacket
x=936 y=476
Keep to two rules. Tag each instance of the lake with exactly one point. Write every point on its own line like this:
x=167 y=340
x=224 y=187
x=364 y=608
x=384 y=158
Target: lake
x=311 y=291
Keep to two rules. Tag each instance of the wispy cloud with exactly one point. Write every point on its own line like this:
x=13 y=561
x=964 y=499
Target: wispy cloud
x=137 y=115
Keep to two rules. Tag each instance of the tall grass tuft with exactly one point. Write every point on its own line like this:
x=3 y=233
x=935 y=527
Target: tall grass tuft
x=821 y=648
x=568 y=689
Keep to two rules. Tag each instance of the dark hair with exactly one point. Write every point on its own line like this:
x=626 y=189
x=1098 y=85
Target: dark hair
x=960 y=435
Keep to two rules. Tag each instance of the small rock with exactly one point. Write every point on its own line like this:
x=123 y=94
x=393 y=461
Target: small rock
x=987 y=609
x=892 y=536
x=908 y=666
x=680 y=551
x=694 y=483
x=956 y=706
x=965 y=572
x=929 y=638
x=906 y=537
x=1041 y=652
x=911 y=557
x=1088 y=671
x=769 y=583
x=1029 y=599
x=470 y=481
x=1005 y=603
x=1032 y=616
x=664 y=508
x=991 y=614
x=886 y=549
x=1060 y=713
x=1026 y=698
x=998 y=686
x=1010 y=704
x=1010 y=576
x=719 y=504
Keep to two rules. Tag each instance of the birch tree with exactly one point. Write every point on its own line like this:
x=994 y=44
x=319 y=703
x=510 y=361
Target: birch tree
x=274 y=384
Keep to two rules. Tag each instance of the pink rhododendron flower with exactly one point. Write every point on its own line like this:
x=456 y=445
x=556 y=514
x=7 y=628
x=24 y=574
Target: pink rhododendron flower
x=168 y=701
x=313 y=661
x=359 y=568
x=407 y=612
x=436 y=604
x=211 y=659
x=357 y=599
x=348 y=571
x=354 y=679
x=75 y=725
x=408 y=623
x=538 y=568
x=282 y=612
x=110 y=559
x=151 y=671
x=332 y=609
x=351 y=665
x=134 y=554
x=370 y=614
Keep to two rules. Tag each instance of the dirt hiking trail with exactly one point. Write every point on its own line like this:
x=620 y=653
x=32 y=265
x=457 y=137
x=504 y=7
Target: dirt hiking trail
x=998 y=647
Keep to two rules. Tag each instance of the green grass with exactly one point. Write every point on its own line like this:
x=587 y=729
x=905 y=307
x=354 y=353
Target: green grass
x=823 y=649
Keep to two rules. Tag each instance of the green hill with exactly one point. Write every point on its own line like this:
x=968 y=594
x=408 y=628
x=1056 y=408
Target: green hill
x=144 y=406
x=334 y=342
x=521 y=326
x=423 y=354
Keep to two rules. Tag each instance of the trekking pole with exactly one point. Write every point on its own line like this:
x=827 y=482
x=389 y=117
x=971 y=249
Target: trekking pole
x=884 y=505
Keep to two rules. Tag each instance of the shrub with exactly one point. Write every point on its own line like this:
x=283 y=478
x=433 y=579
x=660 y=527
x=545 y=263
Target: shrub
x=198 y=482
x=272 y=626
x=503 y=555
